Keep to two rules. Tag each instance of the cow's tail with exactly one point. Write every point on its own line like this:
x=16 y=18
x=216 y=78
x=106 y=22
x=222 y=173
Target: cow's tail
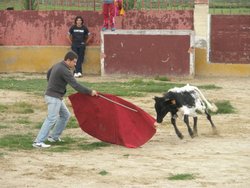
x=211 y=106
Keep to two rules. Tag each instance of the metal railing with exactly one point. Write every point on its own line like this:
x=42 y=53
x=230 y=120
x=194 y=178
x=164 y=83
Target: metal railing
x=95 y=5
x=229 y=7
x=215 y=6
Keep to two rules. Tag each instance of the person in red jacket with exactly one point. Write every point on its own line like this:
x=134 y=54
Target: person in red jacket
x=108 y=14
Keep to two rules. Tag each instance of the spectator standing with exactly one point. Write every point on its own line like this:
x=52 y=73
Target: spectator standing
x=108 y=8
x=78 y=35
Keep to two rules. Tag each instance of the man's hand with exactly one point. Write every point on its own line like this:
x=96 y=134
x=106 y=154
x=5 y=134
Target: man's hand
x=94 y=93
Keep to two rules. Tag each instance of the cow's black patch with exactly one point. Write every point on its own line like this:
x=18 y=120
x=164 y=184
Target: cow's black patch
x=182 y=98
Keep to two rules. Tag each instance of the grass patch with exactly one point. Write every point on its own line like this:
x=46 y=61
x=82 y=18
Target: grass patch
x=103 y=172
x=67 y=144
x=135 y=87
x=24 y=121
x=3 y=126
x=162 y=78
x=17 y=141
x=181 y=177
x=93 y=146
x=36 y=86
x=22 y=108
x=72 y=124
x=76 y=144
x=24 y=142
x=3 y=108
x=38 y=125
x=224 y=107
x=209 y=86
x=18 y=108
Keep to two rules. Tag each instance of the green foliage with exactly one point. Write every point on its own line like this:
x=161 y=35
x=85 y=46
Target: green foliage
x=158 y=4
x=229 y=7
x=30 y=4
x=182 y=177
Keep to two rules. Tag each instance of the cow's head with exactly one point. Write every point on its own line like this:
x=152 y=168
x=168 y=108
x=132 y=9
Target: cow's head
x=162 y=107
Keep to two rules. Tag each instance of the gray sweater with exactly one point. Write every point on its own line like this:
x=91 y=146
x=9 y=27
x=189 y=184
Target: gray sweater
x=58 y=77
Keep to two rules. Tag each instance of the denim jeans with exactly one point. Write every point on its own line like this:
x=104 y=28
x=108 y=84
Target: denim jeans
x=57 y=118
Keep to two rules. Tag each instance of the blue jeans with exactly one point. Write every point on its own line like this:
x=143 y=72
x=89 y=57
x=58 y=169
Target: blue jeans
x=57 y=118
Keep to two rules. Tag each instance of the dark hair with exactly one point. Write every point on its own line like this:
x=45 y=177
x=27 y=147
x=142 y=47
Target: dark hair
x=70 y=55
x=78 y=17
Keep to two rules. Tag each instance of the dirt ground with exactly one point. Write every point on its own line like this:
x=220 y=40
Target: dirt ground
x=221 y=160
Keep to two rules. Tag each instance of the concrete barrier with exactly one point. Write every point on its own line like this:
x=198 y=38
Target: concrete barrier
x=204 y=68
x=40 y=58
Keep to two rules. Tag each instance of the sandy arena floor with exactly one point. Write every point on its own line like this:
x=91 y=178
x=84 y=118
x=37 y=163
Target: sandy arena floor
x=221 y=160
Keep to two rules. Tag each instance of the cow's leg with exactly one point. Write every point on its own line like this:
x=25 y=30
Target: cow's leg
x=188 y=126
x=173 y=121
x=195 y=126
x=210 y=120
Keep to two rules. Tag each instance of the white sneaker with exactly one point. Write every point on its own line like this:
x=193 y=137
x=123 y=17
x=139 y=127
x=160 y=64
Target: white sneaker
x=76 y=75
x=50 y=139
x=40 y=145
x=79 y=74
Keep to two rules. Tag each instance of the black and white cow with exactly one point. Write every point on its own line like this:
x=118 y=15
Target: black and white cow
x=186 y=101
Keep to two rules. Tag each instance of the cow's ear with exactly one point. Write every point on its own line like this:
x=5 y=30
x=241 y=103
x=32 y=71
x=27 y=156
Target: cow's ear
x=173 y=101
x=170 y=101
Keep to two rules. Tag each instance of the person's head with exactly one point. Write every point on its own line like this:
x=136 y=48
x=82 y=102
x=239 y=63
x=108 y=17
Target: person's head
x=70 y=59
x=78 y=21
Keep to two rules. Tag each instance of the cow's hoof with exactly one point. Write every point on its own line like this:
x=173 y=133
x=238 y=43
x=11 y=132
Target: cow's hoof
x=180 y=136
x=195 y=134
x=215 y=131
x=191 y=134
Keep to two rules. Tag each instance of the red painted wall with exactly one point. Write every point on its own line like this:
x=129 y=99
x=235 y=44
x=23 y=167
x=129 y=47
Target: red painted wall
x=147 y=54
x=24 y=28
x=230 y=39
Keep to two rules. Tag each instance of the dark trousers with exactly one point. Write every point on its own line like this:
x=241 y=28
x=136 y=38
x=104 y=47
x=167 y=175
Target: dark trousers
x=80 y=51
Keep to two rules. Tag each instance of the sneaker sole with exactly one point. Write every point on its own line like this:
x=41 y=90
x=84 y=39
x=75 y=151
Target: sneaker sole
x=36 y=146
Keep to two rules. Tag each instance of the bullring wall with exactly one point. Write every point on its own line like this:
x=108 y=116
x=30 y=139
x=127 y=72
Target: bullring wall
x=31 y=41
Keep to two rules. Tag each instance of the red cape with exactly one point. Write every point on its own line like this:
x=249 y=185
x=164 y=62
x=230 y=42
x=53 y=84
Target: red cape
x=113 y=123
